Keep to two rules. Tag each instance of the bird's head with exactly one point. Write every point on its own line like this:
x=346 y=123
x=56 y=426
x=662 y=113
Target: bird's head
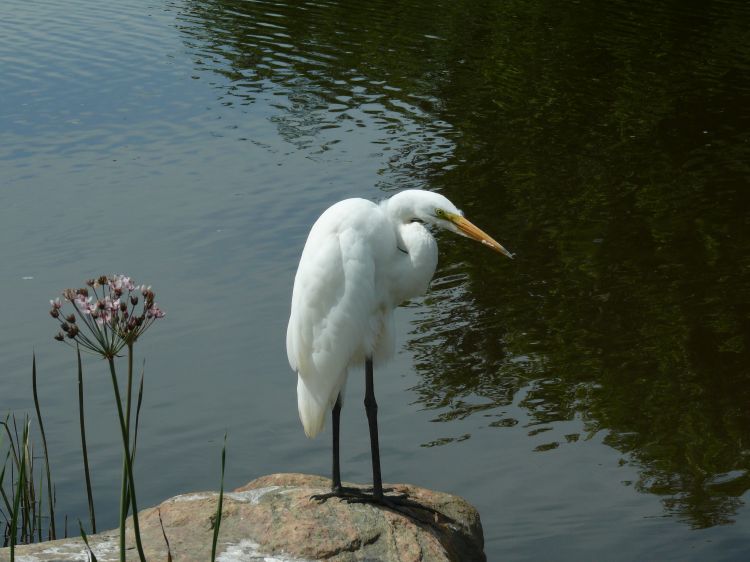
x=432 y=208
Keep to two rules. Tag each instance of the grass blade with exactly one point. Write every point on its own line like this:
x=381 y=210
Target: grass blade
x=52 y=532
x=17 y=498
x=6 y=501
x=217 y=518
x=166 y=540
x=39 y=508
x=11 y=444
x=28 y=500
x=84 y=449
x=92 y=556
x=138 y=408
x=8 y=508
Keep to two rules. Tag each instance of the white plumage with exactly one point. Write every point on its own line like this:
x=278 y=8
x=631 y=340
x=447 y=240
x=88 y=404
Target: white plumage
x=360 y=261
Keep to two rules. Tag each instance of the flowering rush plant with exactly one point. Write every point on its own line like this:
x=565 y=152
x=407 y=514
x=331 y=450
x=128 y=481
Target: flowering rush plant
x=109 y=314
x=112 y=309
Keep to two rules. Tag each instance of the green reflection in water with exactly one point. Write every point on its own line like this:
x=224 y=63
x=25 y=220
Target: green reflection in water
x=613 y=148
x=608 y=144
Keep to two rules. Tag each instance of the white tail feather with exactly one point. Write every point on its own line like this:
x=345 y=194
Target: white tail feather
x=315 y=400
x=312 y=409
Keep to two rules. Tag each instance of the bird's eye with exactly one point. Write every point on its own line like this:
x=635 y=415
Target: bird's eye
x=415 y=219
x=439 y=213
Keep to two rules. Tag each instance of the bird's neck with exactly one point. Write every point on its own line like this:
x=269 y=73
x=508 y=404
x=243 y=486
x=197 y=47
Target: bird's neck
x=416 y=260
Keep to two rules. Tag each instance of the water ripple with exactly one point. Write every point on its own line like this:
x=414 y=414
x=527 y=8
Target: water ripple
x=317 y=88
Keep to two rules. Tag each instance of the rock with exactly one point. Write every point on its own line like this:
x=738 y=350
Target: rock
x=274 y=519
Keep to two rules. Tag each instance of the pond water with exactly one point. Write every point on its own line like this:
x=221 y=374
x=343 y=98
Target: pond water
x=590 y=397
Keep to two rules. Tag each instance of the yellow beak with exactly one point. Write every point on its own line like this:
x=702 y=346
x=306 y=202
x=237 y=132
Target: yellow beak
x=467 y=228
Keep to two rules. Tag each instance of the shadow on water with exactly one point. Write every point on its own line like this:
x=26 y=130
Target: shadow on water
x=608 y=144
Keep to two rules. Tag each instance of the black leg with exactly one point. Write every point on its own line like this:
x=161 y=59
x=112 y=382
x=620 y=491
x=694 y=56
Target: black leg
x=371 y=407
x=336 y=415
x=399 y=502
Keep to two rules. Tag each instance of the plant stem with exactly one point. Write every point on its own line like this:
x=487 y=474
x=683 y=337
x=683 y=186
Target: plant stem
x=123 y=500
x=86 y=471
x=124 y=504
x=128 y=469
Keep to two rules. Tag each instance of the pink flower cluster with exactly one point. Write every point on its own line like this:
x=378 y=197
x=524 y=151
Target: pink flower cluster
x=109 y=310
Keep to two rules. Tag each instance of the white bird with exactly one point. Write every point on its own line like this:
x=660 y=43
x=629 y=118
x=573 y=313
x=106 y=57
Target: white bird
x=361 y=260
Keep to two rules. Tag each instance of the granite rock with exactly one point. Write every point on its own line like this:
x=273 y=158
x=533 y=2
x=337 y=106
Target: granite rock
x=274 y=519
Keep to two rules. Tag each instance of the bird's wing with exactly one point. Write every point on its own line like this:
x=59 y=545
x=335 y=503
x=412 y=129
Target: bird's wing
x=334 y=319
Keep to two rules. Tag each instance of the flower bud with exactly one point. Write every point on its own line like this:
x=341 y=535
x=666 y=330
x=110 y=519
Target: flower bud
x=73 y=332
x=133 y=300
x=65 y=327
x=54 y=313
x=71 y=318
x=59 y=336
x=102 y=280
x=91 y=282
x=83 y=291
x=124 y=306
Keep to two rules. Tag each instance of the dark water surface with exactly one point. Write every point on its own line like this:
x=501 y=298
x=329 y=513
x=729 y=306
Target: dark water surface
x=591 y=398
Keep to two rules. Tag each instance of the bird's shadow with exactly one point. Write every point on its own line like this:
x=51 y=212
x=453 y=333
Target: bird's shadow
x=398 y=502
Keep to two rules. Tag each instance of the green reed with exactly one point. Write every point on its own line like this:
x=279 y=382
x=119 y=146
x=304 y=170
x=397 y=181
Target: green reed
x=20 y=492
x=92 y=556
x=84 y=448
x=52 y=534
x=23 y=505
x=24 y=508
x=220 y=505
x=164 y=534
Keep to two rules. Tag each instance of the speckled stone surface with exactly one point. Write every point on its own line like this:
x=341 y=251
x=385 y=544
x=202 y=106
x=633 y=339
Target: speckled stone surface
x=273 y=519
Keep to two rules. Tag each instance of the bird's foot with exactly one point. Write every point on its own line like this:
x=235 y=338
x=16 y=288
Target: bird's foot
x=341 y=492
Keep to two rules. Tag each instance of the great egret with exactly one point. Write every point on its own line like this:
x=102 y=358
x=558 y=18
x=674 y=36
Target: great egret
x=360 y=261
